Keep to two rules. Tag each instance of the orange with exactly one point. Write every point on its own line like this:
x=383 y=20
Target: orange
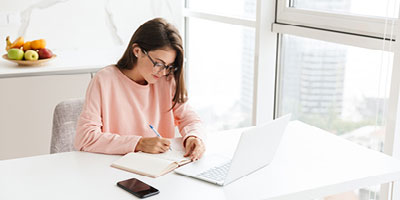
x=38 y=44
x=27 y=46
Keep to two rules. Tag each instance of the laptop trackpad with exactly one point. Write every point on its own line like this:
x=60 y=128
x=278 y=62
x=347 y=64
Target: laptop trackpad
x=205 y=163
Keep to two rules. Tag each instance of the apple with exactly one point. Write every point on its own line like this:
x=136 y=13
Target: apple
x=45 y=53
x=15 y=54
x=31 y=55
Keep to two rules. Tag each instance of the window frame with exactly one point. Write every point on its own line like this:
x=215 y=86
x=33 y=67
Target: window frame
x=369 y=26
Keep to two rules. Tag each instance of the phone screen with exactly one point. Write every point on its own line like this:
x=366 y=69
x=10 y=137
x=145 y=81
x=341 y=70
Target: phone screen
x=137 y=188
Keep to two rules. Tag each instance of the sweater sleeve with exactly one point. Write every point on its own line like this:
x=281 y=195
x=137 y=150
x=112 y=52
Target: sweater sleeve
x=89 y=135
x=188 y=122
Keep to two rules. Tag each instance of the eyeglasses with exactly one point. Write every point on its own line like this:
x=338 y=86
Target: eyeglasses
x=158 y=66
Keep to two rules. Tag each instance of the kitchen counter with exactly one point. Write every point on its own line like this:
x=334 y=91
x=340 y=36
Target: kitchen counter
x=67 y=62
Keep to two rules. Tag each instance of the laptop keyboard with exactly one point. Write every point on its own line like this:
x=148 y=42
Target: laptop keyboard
x=216 y=173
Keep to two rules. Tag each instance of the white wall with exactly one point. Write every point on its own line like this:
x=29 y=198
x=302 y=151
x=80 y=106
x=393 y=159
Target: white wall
x=87 y=24
x=27 y=103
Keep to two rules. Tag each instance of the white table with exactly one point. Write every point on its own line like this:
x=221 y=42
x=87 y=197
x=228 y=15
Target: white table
x=310 y=163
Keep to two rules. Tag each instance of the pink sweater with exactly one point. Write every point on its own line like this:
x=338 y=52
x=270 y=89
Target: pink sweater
x=117 y=113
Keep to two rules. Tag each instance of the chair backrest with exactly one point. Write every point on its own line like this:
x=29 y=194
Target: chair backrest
x=65 y=118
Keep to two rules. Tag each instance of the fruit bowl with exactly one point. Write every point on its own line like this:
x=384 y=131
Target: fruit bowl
x=30 y=62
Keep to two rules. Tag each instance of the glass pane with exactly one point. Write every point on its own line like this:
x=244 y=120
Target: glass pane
x=338 y=88
x=341 y=89
x=237 y=8
x=220 y=73
x=381 y=8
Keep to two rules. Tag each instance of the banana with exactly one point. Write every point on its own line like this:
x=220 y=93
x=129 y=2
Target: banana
x=18 y=43
x=8 y=46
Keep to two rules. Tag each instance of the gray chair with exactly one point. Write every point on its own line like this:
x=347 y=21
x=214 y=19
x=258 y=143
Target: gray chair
x=65 y=118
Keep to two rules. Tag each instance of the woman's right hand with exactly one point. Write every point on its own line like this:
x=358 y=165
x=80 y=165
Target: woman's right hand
x=153 y=145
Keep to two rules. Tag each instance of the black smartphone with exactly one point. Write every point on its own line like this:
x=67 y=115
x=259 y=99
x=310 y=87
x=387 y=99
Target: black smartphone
x=138 y=188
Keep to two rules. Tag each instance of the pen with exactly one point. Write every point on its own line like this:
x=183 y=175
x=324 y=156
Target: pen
x=156 y=132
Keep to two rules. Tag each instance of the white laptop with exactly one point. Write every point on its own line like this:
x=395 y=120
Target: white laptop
x=255 y=150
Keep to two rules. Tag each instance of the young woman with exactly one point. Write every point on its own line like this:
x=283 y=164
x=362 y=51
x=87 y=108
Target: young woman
x=146 y=87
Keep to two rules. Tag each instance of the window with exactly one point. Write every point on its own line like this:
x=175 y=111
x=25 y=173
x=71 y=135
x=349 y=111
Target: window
x=379 y=8
x=237 y=8
x=339 y=88
x=322 y=48
x=220 y=73
x=220 y=61
x=335 y=69
x=368 y=18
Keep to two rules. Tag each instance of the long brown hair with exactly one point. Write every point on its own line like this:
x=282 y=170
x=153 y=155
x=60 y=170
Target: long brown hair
x=158 y=34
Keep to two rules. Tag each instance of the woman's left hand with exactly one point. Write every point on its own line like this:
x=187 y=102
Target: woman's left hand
x=194 y=148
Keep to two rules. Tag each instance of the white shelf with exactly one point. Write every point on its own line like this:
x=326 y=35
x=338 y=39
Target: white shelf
x=67 y=62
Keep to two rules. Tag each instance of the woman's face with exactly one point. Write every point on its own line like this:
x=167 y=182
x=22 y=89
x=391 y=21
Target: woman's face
x=145 y=66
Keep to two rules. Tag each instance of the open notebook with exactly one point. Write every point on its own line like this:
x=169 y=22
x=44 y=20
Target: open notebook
x=154 y=165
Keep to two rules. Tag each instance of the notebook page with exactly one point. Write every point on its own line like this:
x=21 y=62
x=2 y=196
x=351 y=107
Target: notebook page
x=142 y=164
x=175 y=154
